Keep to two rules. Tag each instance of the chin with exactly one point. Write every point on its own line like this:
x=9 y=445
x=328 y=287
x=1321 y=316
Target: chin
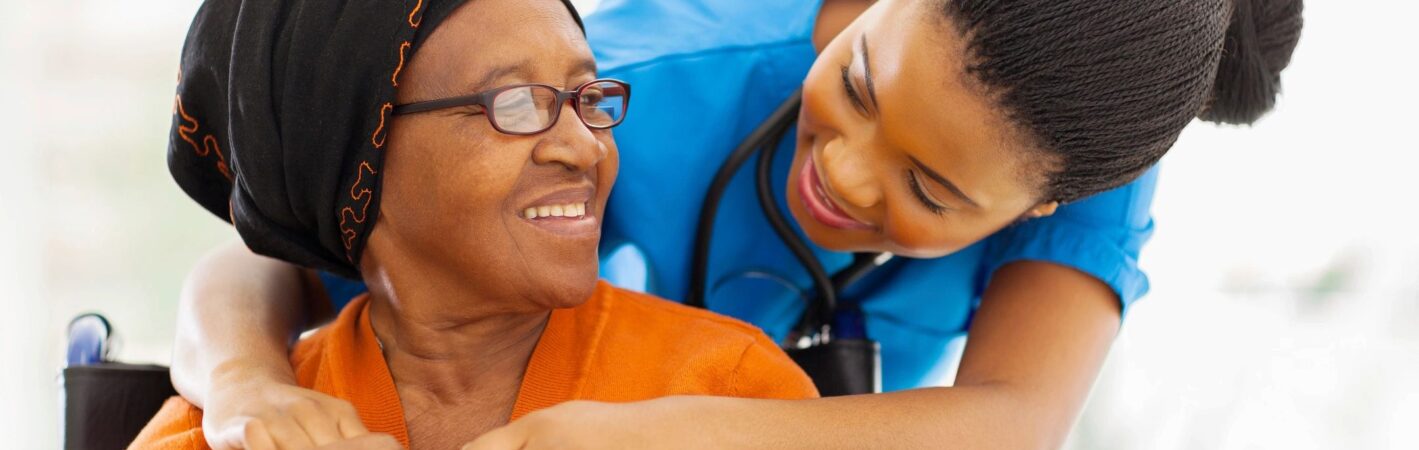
x=567 y=288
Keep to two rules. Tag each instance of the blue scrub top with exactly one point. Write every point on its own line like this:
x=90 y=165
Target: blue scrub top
x=705 y=73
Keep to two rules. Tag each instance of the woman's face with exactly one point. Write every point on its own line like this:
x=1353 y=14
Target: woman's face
x=456 y=191
x=897 y=150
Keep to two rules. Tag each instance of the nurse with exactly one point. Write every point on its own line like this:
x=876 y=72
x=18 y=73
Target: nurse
x=992 y=142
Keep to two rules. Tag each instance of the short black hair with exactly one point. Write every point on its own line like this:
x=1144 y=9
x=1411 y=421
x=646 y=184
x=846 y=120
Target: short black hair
x=1104 y=88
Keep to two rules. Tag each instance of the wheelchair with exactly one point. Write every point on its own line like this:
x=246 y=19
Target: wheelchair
x=106 y=403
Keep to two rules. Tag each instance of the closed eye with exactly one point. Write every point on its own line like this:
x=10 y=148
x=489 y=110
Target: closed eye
x=931 y=205
x=852 y=92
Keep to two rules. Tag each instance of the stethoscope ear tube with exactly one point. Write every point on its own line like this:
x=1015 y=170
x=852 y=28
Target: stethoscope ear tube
x=767 y=134
x=821 y=310
x=851 y=365
x=818 y=314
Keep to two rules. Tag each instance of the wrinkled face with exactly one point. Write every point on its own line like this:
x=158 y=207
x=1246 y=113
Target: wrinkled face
x=456 y=192
x=897 y=150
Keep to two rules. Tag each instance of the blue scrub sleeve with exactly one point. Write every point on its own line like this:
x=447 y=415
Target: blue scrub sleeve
x=341 y=290
x=1101 y=235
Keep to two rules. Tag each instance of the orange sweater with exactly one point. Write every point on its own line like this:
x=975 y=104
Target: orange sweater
x=619 y=346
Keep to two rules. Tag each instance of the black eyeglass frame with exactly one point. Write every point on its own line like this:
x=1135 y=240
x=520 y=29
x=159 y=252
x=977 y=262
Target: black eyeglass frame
x=485 y=100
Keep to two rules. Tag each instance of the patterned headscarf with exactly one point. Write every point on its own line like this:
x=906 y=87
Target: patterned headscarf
x=281 y=114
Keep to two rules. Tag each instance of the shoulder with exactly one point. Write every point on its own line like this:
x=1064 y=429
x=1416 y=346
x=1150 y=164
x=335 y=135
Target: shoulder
x=311 y=355
x=681 y=320
x=1101 y=236
x=631 y=32
x=736 y=358
x=177 y=426
x=310 y=347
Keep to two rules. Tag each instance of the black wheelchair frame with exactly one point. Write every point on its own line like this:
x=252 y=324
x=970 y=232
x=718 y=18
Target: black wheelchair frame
x=106 y=403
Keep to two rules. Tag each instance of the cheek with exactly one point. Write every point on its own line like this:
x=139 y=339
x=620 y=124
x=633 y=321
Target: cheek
x=924 y=235
x=447 y=184
x=607 y=170
x=915 y=232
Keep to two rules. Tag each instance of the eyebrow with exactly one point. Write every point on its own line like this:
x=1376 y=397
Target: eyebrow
x=521 y=68
x=943 y=181
x=867 y=71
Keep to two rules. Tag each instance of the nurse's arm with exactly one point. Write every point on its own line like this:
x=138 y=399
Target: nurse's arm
x=1035 y=347
x=237 y=315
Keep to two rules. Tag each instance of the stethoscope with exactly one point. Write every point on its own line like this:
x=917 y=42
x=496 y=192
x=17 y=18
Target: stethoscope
x=839 y=365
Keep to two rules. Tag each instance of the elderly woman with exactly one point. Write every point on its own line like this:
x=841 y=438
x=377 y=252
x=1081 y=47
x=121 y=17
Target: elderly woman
x=458 y=158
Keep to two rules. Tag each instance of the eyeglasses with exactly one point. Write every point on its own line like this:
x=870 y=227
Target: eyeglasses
x=526 y=109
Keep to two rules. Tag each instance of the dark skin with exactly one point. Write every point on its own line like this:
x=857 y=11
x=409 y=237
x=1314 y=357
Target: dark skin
x=1036 y=343
x=922 y=180
x=461 y=282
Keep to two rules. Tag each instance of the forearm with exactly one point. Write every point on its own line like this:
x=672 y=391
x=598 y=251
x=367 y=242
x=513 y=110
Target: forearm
x=1035 y=348
x=955 y=417
x=237 y=316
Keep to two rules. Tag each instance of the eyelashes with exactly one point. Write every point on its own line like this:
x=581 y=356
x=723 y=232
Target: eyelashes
x=917 y=190
x=920 y=193
x=851 y=92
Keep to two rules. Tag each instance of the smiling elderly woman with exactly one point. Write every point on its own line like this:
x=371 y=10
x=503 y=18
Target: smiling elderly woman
x=458 y=158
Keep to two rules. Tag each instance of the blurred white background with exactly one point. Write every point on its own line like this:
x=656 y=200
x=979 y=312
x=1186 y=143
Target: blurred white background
x=1285 y=268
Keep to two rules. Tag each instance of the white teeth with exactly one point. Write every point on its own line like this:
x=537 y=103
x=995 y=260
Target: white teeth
x=564 y=210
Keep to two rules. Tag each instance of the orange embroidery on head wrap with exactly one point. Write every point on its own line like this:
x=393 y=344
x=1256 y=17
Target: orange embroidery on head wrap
x=209 y=142
x=413 y=22
x=358 y=192
x=402 y=48
x=379 y=134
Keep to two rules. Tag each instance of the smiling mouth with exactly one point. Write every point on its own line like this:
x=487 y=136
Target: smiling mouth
x=567 y=220
x=566 y=211
x=819 y=204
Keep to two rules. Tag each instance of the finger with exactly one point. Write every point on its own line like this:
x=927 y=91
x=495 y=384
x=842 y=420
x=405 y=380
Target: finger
x=317 y=424
x=504 y=438
x=288 y=435
x=347 y=421
x=250 y=435
x=366 y=442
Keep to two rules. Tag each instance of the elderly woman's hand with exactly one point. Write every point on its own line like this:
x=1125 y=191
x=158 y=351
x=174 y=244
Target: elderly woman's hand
x=266 y=414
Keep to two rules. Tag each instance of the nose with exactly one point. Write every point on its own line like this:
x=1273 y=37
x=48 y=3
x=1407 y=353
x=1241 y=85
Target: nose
x=849 y=175
x=570 y=143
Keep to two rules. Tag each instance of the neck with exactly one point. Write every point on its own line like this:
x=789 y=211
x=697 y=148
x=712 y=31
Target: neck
x=445 y=345
x=452 y=364
x=834 y=17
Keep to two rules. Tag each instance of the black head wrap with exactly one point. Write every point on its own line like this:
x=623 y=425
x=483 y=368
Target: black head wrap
x=281 y=113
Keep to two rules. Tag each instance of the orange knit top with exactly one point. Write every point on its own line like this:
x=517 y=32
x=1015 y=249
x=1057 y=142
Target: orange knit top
x=619 y=346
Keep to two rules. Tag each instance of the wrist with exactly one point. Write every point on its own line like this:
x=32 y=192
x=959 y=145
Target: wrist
x=728 y=422
x=244 y=374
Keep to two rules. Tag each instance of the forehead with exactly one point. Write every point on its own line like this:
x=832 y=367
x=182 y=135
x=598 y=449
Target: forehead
x=539 y=37
x=934 y=111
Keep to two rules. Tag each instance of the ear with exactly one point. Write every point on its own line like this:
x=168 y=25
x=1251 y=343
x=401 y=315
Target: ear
x=1041 y=210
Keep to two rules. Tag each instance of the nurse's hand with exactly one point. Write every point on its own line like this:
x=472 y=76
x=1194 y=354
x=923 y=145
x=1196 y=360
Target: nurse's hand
x=258 y=415
x=366 y=442
x=659 y=423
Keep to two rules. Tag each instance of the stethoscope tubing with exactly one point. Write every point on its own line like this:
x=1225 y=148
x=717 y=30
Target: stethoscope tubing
x=823 y=304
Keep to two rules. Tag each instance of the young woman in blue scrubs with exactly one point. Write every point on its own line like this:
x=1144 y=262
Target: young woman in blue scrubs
x=994 y=142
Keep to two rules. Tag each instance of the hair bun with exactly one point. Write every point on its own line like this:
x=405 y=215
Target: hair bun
x=1258 y=46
